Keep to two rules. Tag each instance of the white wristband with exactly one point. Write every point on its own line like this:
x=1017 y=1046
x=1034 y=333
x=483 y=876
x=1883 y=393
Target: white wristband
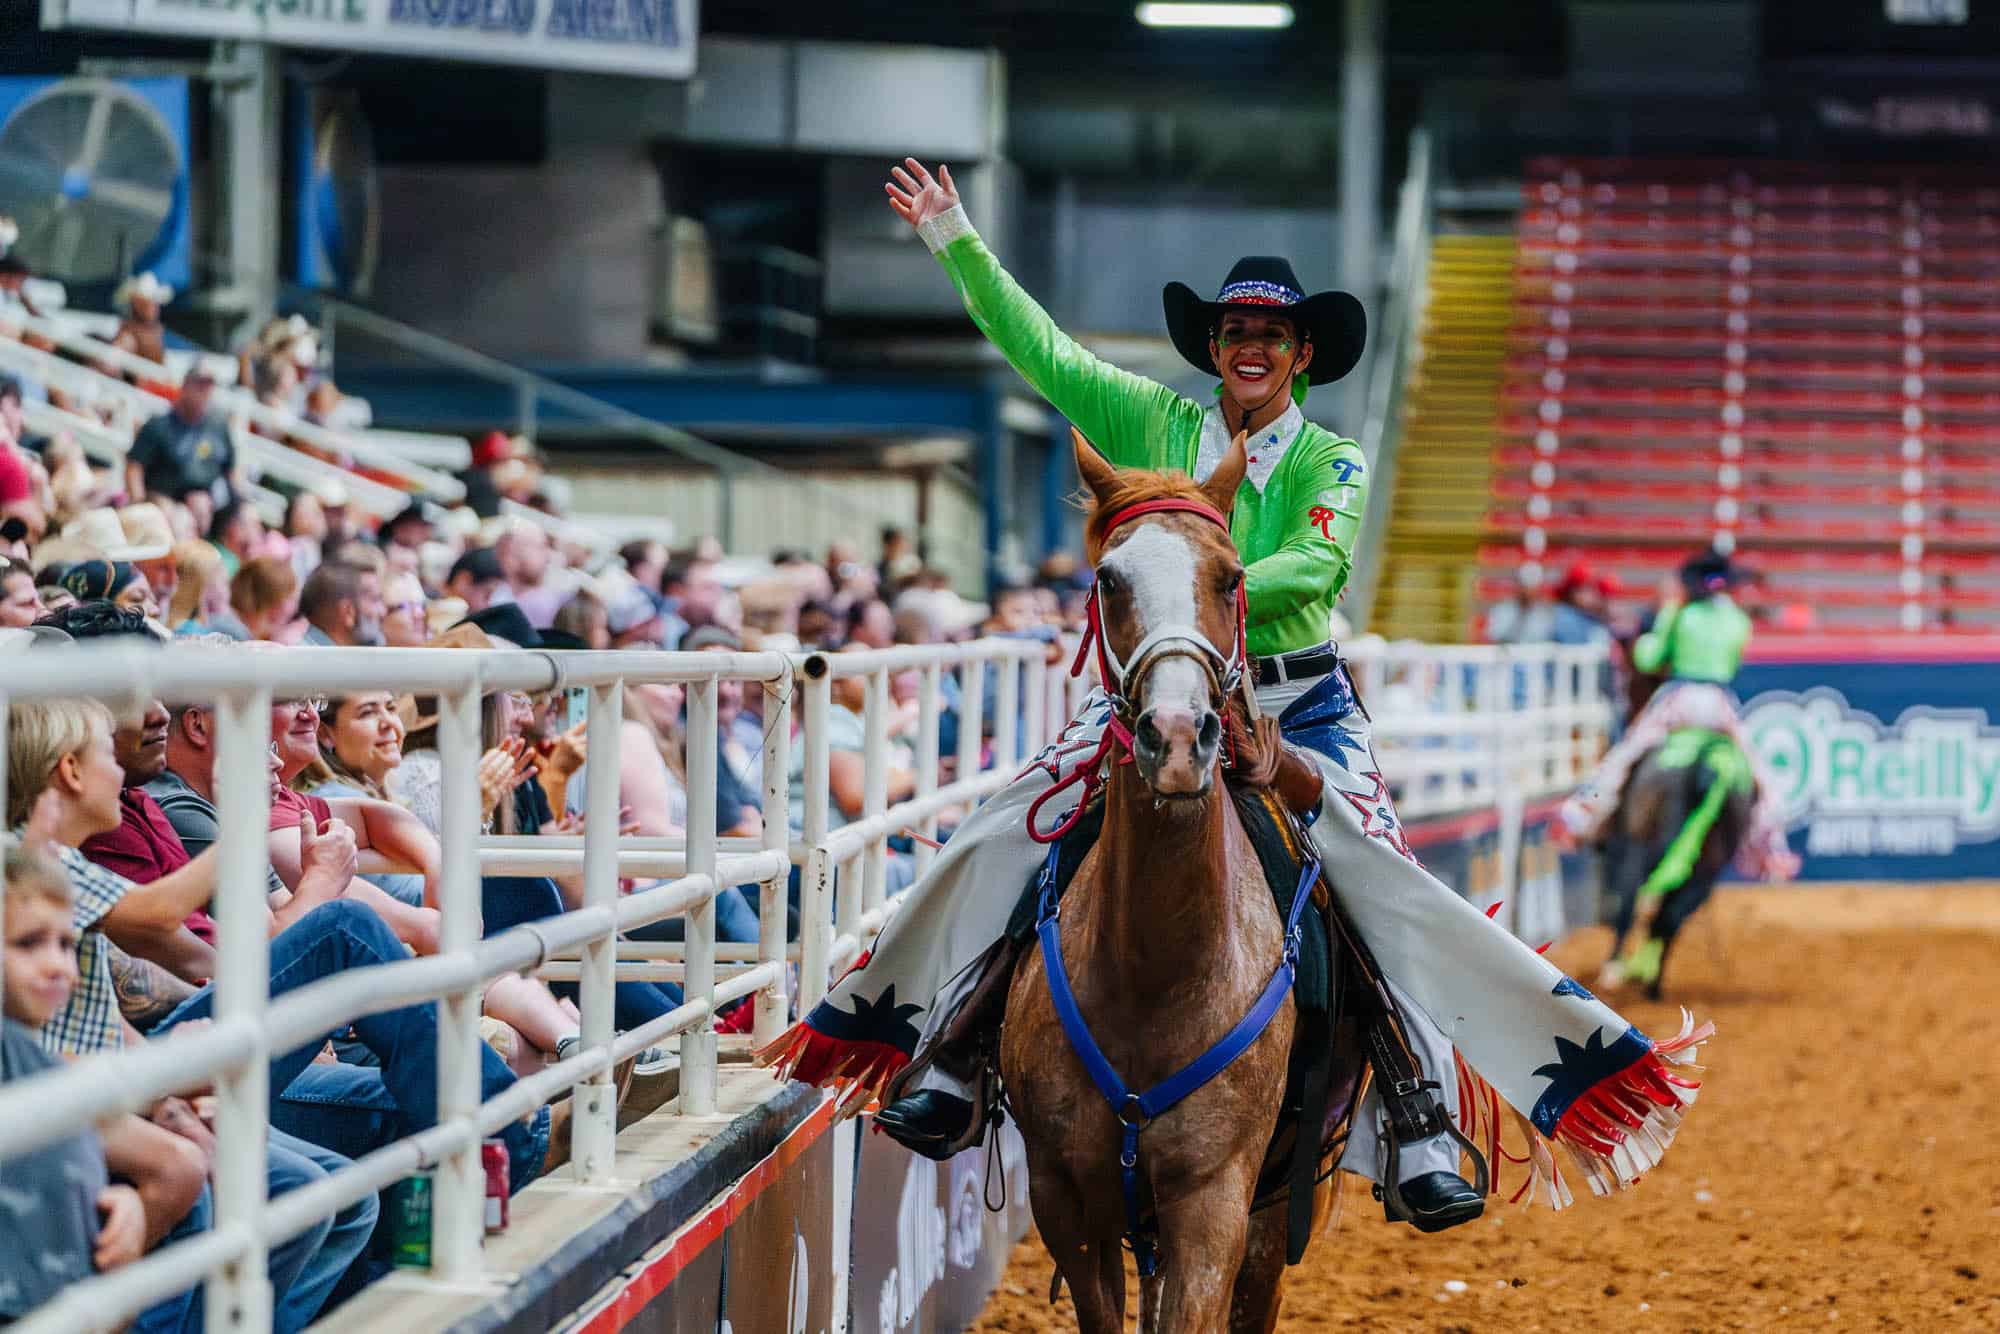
x=946 y=227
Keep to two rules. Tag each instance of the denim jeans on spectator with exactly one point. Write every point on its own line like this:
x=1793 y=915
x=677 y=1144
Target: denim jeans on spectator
x=511 y=900
x=333 y=938
x=735 y=920
x=304 y=1270
x=345 y=1108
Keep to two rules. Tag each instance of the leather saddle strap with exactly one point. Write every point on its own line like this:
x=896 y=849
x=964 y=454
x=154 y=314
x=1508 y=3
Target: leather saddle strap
x=1415 y=1112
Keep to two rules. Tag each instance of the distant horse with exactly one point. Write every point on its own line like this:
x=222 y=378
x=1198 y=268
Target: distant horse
x=1680 y=821
x=1168 y=937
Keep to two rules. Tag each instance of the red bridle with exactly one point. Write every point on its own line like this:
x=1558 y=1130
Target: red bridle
x=1224 y=673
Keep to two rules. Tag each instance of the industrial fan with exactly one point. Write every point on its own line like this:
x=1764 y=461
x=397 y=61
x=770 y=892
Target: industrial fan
x=95 y=178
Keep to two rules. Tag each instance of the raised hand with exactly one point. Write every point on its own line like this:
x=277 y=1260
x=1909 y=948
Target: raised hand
x=916 y=196
x=501 y=770
x=567 y=752
x=330 y=852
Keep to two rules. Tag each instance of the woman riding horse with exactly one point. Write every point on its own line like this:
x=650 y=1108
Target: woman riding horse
x=1698 y=645
x=1574 y=1070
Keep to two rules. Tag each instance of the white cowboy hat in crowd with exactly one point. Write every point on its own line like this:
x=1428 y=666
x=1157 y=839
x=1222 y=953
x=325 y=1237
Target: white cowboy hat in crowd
x=142 y=285
x=146 y=529
x=101 y=530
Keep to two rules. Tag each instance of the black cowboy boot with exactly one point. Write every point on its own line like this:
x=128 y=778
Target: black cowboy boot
x=930 y=1122
x=1432 y=1201
x=938 y=1124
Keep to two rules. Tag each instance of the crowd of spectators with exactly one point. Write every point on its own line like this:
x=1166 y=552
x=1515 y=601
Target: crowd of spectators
x=112 y=865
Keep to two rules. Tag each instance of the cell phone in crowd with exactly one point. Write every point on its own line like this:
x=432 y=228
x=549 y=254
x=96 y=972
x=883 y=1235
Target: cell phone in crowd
x=576 y=706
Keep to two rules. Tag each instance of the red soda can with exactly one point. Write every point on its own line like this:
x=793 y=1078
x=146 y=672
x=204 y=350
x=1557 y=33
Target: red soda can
x=493 y=1157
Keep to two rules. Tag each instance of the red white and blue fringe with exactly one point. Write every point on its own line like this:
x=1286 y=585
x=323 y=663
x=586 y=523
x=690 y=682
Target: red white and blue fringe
x=1613 y=1133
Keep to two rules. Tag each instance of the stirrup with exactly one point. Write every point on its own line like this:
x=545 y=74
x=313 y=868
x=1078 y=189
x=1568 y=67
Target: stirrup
x=1390 y=1189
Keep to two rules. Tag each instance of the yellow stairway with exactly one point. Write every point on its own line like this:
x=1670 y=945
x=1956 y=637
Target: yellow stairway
x=1443 y=464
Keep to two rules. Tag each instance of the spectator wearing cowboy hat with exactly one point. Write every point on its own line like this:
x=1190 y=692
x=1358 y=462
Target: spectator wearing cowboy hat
x=140 y=330
x=408 y=527
x=149 y=544
x=186 y=454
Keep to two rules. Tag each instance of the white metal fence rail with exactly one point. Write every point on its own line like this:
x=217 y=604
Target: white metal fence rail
x=1469 y=727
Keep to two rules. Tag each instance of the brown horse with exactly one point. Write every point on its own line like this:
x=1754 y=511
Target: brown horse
x=1169 y=935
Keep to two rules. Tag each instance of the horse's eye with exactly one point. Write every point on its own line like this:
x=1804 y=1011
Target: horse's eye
x=1232 y=582
x=1110 y=582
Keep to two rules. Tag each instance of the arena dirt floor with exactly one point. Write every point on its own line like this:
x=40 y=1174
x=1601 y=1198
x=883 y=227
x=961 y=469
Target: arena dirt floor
x=1842 y=1170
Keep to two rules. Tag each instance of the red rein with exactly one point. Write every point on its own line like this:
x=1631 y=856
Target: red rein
x=1116 y=734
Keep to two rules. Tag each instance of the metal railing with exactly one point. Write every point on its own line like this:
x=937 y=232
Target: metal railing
x=250 y=1025
x=1456 y=727
x=1464 y=726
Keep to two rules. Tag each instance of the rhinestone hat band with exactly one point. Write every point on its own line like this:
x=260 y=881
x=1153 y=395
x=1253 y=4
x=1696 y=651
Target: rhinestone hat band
x=1256 y=292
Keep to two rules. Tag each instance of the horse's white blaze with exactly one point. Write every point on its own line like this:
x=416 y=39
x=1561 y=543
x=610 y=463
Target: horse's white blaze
x=1158 y=565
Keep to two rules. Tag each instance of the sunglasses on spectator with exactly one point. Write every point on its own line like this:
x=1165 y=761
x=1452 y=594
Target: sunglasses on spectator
x=317 y=703
x=412 y=609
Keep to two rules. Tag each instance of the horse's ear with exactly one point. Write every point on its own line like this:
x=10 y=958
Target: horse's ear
x=1222 y=484
x=1098 y=474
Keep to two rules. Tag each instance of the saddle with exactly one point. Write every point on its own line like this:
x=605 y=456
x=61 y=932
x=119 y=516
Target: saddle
x=1346 y=1020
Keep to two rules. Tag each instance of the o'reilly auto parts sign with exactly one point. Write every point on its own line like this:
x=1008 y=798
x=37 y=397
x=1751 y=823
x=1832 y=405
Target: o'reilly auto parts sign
x=1920 y=782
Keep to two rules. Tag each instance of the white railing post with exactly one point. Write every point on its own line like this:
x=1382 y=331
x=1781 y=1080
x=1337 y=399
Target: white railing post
x=875 y=787
x=594 y=1111
x=929 y=699
x=971 y=716
x=1007 y=713
x=816 y=889
x=238 y=1295
x=458 y=1209
x=698 y=1044
x=1038 y=705
x=771 y=1007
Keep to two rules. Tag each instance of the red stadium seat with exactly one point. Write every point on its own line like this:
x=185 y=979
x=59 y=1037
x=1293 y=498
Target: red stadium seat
x=1801 y=361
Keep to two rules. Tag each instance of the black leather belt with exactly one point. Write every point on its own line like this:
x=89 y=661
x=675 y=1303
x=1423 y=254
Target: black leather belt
x=1304 y=665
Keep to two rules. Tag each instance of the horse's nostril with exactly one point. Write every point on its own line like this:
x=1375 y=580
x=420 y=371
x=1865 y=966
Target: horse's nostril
x=1211 y=732
x=1147 y=734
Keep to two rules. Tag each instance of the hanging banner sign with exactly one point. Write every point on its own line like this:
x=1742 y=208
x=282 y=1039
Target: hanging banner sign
x=642 y=37
x=1887 y=758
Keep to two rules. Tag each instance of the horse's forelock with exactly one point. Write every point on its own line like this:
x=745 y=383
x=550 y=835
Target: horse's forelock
x=1133 y=487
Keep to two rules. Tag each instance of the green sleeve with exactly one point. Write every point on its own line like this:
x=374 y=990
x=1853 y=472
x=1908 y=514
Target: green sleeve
x=1127 y=416
x=1649 y=653
x=1313 y=550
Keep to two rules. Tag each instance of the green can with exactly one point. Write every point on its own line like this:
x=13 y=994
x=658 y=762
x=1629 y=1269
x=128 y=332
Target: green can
x=409 y=1222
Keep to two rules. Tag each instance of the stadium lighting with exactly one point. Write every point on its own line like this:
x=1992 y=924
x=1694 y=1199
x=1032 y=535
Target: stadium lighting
x=1176 y=15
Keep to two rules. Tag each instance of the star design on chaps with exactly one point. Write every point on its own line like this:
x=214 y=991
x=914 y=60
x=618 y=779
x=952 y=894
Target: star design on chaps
x=1377 y=819
x=879 y=1020
x=1578 y=1068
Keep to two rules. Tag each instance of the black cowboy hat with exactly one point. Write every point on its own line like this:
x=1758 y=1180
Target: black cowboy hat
x=1333 y=322
x=506 y=620
x=1710 y=569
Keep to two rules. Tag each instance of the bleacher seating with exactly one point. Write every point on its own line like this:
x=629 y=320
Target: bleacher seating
x=113 y=393
x=1796 y=362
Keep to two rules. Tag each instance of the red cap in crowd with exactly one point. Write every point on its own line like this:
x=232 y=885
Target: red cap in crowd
x=493 y=447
